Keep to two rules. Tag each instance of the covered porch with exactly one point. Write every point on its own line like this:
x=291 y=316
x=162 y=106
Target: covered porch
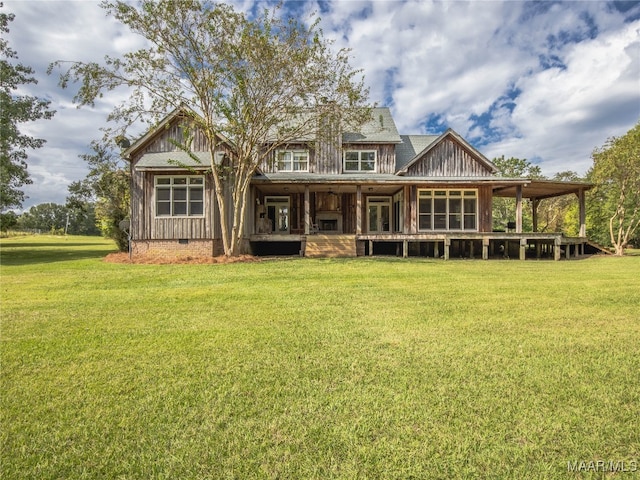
x=384 y=217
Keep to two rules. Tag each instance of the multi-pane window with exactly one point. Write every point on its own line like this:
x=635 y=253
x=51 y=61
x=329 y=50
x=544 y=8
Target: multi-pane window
x=181 y=196
x=359 y=161
x=293 y=161
x=447 y=210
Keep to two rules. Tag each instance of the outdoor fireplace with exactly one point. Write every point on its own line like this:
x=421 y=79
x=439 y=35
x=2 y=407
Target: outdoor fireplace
x=329 y=222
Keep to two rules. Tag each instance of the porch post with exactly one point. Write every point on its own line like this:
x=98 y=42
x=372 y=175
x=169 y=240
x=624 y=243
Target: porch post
x=359 y=210
x=307 y=211
x=583 y=213
x=534 y=210
x=519 y=209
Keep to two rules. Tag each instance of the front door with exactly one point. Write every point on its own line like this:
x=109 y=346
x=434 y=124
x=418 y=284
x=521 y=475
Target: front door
x=278 y=213
x=379 y=214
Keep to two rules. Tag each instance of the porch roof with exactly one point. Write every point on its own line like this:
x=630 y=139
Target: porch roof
x=173 y=160
x=539 y=189
x=501 y=186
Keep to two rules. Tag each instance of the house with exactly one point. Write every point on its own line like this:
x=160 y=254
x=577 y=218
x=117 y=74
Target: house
x=370 y=192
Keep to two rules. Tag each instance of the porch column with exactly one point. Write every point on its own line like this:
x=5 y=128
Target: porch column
x=307 y=211
x=519 y=209
x=359 y=210
x=583 y=213
x=534 y=211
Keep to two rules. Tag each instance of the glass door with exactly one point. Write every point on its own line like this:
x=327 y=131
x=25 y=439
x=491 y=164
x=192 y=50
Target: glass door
x=379 y=214
x=278 y=213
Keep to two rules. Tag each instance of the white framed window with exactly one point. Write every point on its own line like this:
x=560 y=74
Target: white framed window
x=179 y=196
x=359 y=161
x=293 y=161
x=448 y=210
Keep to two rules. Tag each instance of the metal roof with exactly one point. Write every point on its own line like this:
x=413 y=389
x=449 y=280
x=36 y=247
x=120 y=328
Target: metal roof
x=411 y=145
x=380 y=129
x=173 y=160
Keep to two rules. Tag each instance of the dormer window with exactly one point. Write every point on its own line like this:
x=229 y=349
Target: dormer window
x=293 y=161
x=359 y=161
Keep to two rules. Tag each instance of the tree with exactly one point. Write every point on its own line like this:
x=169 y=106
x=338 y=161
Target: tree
x=258 y=82
x=615 y=200
x=560 y=214
x=105 y=191
x=504 y=209
x=48 y=217
x=16 y=109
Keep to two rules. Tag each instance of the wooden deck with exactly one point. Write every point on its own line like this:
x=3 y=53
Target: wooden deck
x=444 y=245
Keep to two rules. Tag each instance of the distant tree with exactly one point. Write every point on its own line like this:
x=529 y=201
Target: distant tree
x=615 y=201
x=504 y=209
x=46 y=217
x=8 y=220
x=15 y=110
x=259 y=82
x=105 y=191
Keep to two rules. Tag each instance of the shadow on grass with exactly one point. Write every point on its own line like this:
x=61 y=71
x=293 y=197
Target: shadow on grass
x=16 y=254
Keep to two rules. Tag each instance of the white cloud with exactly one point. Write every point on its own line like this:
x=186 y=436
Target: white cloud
x=540 y=80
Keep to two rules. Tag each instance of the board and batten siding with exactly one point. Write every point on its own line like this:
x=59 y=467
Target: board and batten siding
x=165 y=140
x=448 y=159
x=149 y=227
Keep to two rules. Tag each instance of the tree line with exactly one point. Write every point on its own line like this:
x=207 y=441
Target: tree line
x=247 y=80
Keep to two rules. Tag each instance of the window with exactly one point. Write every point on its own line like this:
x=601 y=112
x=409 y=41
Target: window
x=179 y=196
x=447 y=209
x=293 y=161
x=360 y=161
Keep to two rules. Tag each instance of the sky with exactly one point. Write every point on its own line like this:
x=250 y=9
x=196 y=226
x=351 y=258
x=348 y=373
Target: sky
x=545 y=81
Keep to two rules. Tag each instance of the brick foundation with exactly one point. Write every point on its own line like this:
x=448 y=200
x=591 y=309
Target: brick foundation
x=176 y=248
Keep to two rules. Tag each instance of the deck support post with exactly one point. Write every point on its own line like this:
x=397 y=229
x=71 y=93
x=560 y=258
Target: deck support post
x=523 y=248
x=471 y=248
x=436 y=249
x=538 y=249
x=370 y=248
x=556 y=249
x=447 y=244
x=485 y=248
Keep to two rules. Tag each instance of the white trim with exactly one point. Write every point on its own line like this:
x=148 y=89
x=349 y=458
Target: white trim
x=380 y=200
x=446 y=216
x=171 y=187
x=294 y=153
x=360 y=161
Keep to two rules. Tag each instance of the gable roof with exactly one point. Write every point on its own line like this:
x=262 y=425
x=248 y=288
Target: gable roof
x=411 y=145
x=450 y=133
x=182 y=111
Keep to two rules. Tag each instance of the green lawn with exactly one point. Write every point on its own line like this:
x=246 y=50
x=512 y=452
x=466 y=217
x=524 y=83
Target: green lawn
x=301 y=368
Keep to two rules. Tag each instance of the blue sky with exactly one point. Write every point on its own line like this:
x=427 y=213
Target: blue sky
x=546 y=81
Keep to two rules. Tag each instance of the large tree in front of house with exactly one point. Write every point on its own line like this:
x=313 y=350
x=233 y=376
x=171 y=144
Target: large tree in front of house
x=614 y=205
x=259 y=82
x=15 y=110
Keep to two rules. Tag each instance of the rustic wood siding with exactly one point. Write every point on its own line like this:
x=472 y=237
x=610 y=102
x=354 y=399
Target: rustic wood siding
x=174 y=132
x=146 y=226
x=485 y=200
x=448 y=159
x=385 y=155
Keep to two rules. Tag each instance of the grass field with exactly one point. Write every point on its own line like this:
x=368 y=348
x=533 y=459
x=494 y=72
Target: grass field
x=300 y=368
